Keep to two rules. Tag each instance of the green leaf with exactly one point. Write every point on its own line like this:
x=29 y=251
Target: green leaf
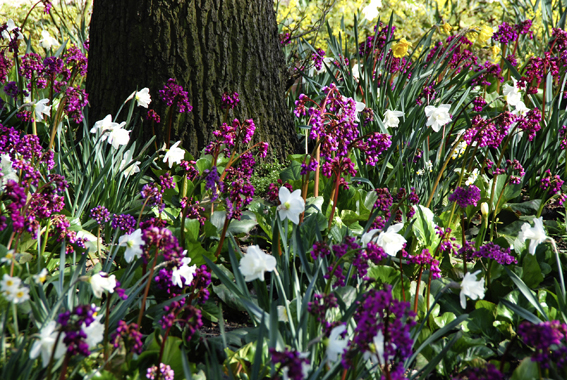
x=424 y=228
x=527 y=370
x=292 y=173
x=192 y=227
x=228 y=297
x=532 y=275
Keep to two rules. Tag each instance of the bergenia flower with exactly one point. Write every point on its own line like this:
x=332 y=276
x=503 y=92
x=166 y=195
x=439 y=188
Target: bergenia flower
x=46 y=344
x=536 y=234
x=174 y=155
x=336 y=344
x=391 y=118
x=292 y=204
x=472 y=288
x=183 y=272
x=255 y=262
x=438 y=116
x=101 y=282
x=133 y=243
x=390 y=241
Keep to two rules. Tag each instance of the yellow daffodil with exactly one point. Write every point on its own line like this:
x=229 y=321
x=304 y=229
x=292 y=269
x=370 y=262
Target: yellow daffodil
x=401 y=48
x=446 y=28
x=484 y=35
x=495 y=50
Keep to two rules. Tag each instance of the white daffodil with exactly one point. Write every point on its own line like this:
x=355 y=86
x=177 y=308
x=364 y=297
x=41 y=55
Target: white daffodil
x=47 y=41
x=336 y=344
x=174 y=155
x=17 y=294
x=103 y=125
x=133 y=243
x=536 y=234
x=472 y=288
x=292 y=204
x=419 y=172
x=392 y=118
x=45 y=344
x=183 y=272
x=390 y=241
x=94 y=332
x=472 y=177
x=255 y=262
x=521 y=109
x=377 y=347
x=142 y=97
x=118 y=135
x=512 y=93
x=10 y=25
x=437 y=116
x=360 y=106
x=41 y=108
x=126 y=160
x=370 y=12
x=41 y=276
x=369 y=236
x=7 y=170
x=9 y=256
x=355 y=70
x=9 y=284
x=428 y=165
x=282 y=314
x=102 y=282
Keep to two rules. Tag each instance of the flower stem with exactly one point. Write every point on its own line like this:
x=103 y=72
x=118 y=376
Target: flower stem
x=335 y=198
x=146 y=291
x=223 y=235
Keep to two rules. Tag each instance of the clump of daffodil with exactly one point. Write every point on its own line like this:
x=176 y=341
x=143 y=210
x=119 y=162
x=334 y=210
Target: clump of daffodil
x=495 y=51
x=446 y=28
x=484 y=34
x=400 y=49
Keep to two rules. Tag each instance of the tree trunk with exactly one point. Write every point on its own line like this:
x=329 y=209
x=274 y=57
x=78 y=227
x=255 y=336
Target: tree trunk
x=209 y=47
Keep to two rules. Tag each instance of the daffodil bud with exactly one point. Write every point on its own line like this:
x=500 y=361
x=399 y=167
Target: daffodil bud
x=484 y=209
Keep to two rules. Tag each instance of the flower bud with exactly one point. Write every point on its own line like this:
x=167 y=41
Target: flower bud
x=484 y=209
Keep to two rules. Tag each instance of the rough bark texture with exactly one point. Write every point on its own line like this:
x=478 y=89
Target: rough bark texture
x=209 y=46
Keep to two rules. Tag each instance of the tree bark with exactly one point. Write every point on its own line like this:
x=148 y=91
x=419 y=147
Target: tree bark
x=209 y=47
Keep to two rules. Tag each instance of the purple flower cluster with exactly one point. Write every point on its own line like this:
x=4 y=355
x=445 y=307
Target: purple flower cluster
x=465 y=196
x=100 y=214
x=490 y=372
x=530 y=123
x=320 y=249
x=537 y=69
x=75 y=58
x=496 y=253
x=186 y=316
x=376 y=43
x=193 y=210
x=124 y=222
x=447 y=243
x=425 y=258
x=553 y=183
x=506 y=34
x=374 y=146
x=293 y=363
x=77 y=99
x=319 y=306
x=317 y=58
x=229 y=101
x=173 y=94
x=165 y=372
x=515 y=170
x=383 y=203
x=72 y=324
x=548 y=339
x=130 y=335
x=479 y=102
x=380 y=313
x=487 y=71
x=273 y=191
